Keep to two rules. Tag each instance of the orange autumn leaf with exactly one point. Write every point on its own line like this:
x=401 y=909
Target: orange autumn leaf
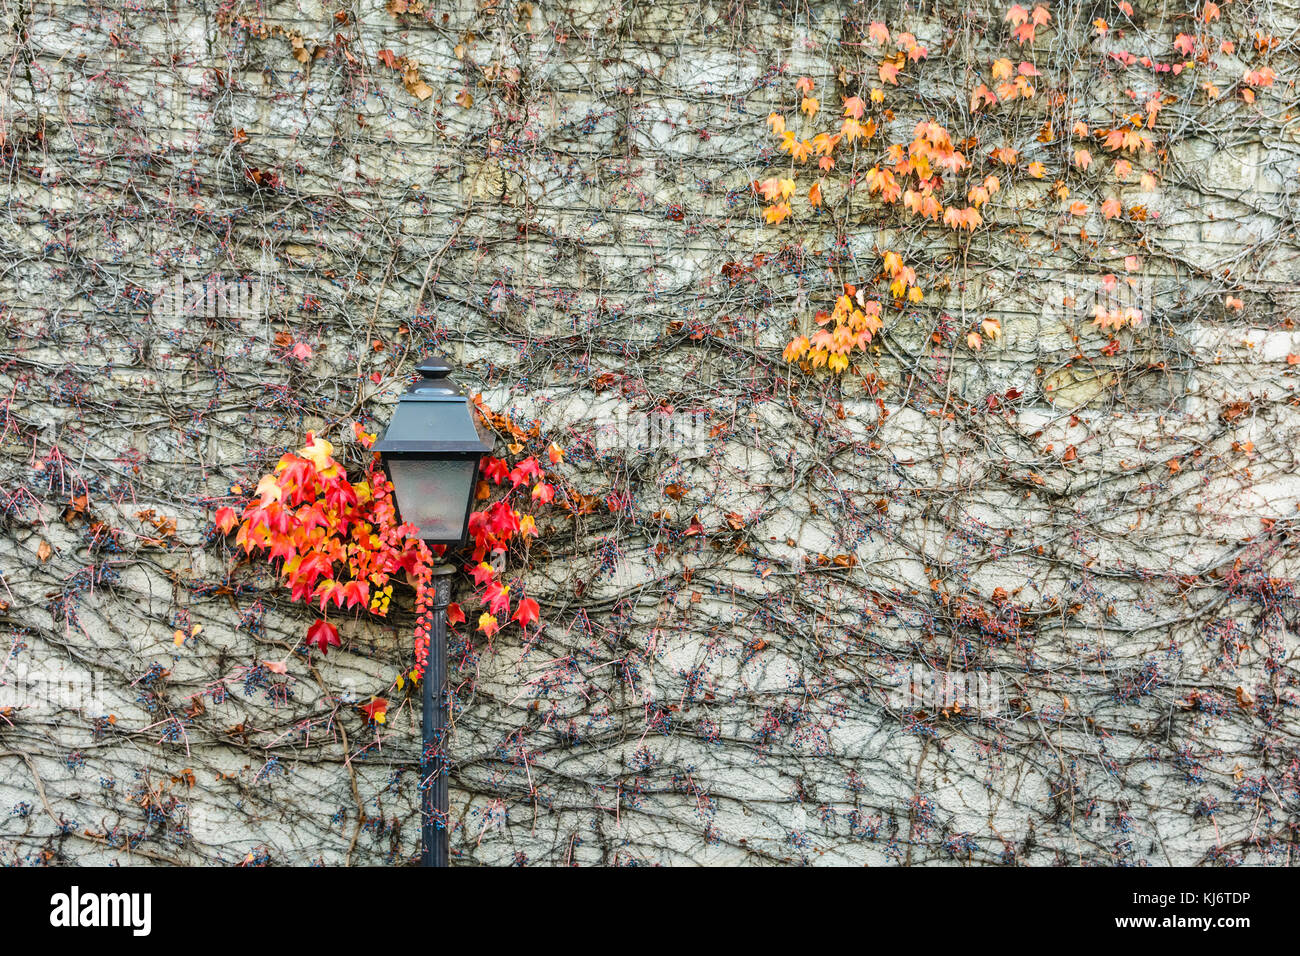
x=777 y=214
x=982 y=96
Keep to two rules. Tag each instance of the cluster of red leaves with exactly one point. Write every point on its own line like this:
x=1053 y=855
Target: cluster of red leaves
x=341 y=543
x=336 y=542
x=492 y=531
x=494 y=528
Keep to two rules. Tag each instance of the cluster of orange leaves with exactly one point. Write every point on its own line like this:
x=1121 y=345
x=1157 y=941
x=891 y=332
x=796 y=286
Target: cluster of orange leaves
x=917 y=175
x=856 y=320
x=910 y=174
x=1024 y=24
x=1011 y=82
x=1108 y=319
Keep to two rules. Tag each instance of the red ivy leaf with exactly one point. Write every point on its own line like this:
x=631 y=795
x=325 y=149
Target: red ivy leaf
x=497 y=596
x=530 y=469
x=226 y=519
x=481 y=573
x=330 y=590
x=356 y=592
x=494 y=469
x=322 y=635
x=454 y=614
x=527 y=612
x=376 y=710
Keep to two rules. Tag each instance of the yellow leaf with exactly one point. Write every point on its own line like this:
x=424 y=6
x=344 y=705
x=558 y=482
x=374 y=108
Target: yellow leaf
x=317 y=451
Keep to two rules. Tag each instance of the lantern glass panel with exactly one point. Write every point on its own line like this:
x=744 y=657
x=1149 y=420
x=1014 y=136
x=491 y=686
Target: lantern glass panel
x=433 y=495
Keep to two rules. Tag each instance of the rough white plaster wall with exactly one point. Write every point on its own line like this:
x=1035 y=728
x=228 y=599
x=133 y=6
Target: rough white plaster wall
x=720 y=698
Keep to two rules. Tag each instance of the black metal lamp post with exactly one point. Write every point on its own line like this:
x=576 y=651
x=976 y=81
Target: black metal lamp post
x=430 y=452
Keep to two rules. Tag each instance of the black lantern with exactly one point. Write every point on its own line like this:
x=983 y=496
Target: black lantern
x=431 y=450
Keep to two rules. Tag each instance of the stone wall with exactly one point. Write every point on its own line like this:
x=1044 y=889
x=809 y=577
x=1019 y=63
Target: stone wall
x=1096 y=526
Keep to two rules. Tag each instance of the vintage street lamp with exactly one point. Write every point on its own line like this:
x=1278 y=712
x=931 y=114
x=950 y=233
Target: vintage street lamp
x=430 y=451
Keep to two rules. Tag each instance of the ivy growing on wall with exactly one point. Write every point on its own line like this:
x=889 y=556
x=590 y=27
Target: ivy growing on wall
x=895 y=413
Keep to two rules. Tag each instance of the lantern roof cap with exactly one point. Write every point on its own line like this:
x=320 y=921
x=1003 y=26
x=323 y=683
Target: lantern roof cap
x=434 y=366
x=434 y=383
x=445 y=428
